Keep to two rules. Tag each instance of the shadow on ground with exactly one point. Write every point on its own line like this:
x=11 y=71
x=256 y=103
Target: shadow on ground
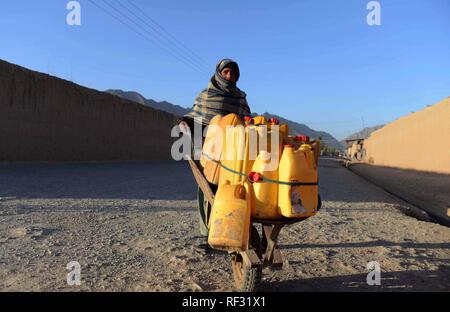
x=376 y=243
x=165 y=180
x=354 y=190
x=420 y=280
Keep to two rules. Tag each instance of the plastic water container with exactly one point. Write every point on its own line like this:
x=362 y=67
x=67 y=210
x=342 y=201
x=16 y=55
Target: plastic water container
x=260 y=120
x=298 y=166
x=230 y=218
x=213 y=148
x=234 y=140
x=257 y=135
x=265 y=195
x=248 y=120
x=251 y=151
x=284 y=132
x=309 y=174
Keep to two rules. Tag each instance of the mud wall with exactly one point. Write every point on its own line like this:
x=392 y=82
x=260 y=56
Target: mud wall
x=419 y=141
x=43 y=118
x=353 y=149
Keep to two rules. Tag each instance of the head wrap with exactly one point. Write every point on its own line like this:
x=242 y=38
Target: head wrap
x=221 y=96
x=220 y=81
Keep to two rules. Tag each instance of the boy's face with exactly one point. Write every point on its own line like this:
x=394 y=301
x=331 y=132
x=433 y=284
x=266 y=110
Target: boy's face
x=229 y=74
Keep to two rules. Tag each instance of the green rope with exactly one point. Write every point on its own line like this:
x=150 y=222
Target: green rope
x=291 y=183
x=264 y=179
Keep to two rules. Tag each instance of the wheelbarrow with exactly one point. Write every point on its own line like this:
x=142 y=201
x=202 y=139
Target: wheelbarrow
x=263 y=250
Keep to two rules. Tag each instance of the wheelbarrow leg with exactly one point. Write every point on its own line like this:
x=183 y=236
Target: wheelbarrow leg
x=272 y=256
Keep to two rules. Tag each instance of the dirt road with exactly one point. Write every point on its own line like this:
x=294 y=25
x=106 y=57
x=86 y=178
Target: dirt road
x=427 y=190
x=131 y=226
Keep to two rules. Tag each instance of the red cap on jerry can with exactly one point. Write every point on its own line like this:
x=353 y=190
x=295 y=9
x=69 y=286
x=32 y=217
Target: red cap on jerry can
x=274 y=121
x=302 y=138
x=255 y=177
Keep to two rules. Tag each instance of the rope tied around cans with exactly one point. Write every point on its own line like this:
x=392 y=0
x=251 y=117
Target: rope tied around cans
x=255 y=177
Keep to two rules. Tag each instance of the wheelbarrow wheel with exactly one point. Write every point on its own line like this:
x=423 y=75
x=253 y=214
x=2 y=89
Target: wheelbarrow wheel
x=247 y=279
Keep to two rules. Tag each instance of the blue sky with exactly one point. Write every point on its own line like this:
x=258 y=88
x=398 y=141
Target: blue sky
x=315 y=62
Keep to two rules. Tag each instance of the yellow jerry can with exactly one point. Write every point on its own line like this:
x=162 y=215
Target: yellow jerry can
x=298 y=166
x=266 y=136
x=257 y=139
x=212 y=147
x=251 y=150
x=230 y=217
x=284 y=132
x=265 y=195
x=260 y=120
x=240 y=153
x=233 y=148
x=310 y=193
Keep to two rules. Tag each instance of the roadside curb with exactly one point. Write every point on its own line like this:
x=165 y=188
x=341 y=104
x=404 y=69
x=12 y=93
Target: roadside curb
x=411 y=209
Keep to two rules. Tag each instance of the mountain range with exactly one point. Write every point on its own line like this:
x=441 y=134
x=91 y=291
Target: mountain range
x=164 y=106
x=294 y=127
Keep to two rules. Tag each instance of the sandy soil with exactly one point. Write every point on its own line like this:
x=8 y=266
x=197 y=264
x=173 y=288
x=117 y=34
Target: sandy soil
x=132 y=227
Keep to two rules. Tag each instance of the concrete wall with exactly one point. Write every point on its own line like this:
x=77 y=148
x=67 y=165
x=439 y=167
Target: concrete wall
x=43 y=118
x=419 y=141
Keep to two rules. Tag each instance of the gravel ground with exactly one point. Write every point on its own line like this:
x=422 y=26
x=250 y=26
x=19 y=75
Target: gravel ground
x=132 y=227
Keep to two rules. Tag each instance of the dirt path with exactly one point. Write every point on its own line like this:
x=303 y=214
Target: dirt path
x=131 y=226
